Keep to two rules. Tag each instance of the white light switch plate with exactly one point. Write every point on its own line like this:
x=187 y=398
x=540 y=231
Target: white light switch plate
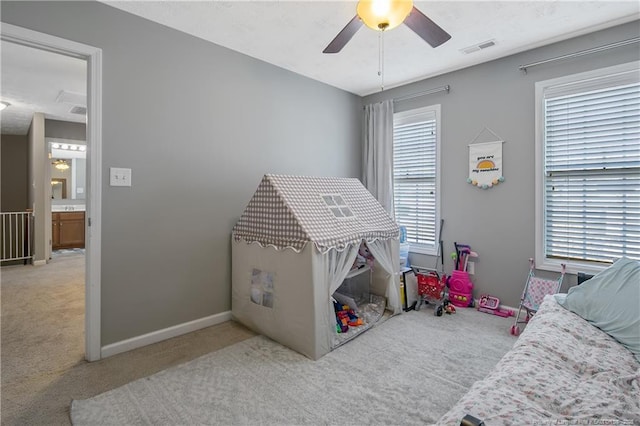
x=119 y=176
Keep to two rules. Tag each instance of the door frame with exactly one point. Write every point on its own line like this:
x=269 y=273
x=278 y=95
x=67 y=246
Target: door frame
x=93 y=230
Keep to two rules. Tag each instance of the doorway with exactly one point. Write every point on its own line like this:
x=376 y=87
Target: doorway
x=93 y=58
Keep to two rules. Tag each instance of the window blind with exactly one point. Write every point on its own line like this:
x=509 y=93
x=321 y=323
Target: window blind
x=592 y=173
x=415 y=175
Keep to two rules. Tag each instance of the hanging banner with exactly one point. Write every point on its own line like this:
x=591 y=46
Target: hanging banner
x=485 y=164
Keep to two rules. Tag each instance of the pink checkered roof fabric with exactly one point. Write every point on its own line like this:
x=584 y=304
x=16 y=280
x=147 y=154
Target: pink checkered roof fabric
x=536 y=290
x=289 y=211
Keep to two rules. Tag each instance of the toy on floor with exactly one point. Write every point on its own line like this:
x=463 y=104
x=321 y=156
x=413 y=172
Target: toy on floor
x=491 y=305
x=534 y=291
x=432 y=289
x=460 y=285
x=448 y=308
x=345 y=318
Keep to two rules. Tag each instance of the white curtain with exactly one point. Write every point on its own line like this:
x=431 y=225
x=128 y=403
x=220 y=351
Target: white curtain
x=377 y=161
x=387 y=256
x=331 y=267
x=340 y=263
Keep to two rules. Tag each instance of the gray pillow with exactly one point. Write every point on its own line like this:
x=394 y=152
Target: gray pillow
x=611 y=301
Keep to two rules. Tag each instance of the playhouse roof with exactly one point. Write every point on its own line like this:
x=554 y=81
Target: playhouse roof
x=331 y=212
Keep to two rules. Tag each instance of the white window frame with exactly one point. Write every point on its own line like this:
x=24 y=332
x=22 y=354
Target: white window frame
x=407 y=116
x=572 y=83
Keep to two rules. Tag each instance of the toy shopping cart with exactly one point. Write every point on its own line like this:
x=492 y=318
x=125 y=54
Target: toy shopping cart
x=534 y=291
x=431 y=289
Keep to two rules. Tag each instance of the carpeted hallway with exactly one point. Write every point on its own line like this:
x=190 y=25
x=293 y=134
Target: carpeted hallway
x=42 y=345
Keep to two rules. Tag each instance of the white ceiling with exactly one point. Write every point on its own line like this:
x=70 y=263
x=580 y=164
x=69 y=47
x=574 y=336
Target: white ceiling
x=32 y=81
x=292 y=35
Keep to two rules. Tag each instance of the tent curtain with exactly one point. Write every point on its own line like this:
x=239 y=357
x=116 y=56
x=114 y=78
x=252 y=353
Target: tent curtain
x=333 y=268
x=387 y=257
x=378 y=153
x=339 y=264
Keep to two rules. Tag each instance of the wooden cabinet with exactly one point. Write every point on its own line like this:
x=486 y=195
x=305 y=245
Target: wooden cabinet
x=67 y=230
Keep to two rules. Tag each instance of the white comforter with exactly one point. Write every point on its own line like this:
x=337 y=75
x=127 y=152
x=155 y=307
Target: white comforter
x=562 y=370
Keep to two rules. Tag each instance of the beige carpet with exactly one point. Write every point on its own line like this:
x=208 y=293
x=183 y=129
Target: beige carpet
x=42 y=345
x=42 y=365
x=409 y=370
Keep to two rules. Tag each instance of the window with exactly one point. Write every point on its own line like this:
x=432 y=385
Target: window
x=337 y=205
x=416 y=178
x=588 y=169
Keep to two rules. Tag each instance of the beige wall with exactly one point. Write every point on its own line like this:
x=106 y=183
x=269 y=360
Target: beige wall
x=39 y=189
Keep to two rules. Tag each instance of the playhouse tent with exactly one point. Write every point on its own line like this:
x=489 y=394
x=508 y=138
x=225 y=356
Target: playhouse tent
x=292 y=248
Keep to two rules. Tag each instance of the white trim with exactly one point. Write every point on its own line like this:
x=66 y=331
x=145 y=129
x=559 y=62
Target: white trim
x=93 y=56
x=39 y=262
x=575 y=80
x=167 y=333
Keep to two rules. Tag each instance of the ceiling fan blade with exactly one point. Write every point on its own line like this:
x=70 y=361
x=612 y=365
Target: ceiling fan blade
x=344 y=36
x=426 y=28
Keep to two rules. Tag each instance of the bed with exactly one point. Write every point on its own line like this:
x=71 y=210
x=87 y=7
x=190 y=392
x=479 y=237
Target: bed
x=567 y=367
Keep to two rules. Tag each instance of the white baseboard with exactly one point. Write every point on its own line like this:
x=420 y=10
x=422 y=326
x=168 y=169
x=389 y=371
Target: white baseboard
x=39 y=262
x=160 y=335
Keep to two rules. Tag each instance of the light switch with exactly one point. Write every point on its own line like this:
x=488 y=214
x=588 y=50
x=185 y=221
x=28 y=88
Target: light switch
x=119 y=176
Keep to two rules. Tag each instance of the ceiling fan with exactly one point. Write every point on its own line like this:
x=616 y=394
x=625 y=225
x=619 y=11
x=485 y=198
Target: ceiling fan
x=60 y=164
x=383 y=15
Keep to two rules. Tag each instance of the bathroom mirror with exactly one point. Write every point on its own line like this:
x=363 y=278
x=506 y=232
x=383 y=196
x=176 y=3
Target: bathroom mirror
x=58 y=188
x=70 y=156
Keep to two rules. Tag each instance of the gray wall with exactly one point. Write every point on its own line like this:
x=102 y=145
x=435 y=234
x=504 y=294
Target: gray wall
x=199 y=125
x=14 y=154
x=65 y=130
x=498 y=223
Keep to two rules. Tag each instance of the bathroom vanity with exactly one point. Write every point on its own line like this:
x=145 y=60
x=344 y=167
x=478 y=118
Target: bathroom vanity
x=67 y=229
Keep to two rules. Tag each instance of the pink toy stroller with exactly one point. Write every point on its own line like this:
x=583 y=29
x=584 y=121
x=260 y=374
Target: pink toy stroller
x=534 y=291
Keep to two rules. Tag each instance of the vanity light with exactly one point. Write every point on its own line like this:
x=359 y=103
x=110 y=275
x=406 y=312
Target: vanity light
x=68 y=146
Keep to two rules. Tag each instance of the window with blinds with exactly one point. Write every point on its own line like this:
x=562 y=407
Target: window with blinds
x=416 y=145
x=591 y=169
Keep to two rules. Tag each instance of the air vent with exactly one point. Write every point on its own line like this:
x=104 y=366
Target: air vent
x=80 y=110
x=478 y=47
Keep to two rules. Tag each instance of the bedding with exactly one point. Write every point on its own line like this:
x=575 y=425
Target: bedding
x=561 y=370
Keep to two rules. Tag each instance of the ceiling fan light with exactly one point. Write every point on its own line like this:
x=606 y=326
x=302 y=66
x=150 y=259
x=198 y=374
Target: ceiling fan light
x=61 y=165
x=382 y=15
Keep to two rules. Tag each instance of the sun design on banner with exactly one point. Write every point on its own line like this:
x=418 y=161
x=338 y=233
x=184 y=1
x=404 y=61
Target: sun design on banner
x=485 y=164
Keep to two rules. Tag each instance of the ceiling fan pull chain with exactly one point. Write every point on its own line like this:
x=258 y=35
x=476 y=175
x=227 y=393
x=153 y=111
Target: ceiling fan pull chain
x=381 y=59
